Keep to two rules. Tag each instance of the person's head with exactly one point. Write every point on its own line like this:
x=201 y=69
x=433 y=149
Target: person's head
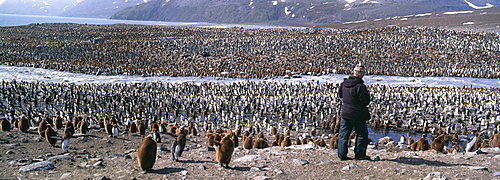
x=359 y=70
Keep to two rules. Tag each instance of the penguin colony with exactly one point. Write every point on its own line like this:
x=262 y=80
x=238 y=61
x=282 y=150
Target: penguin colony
x=249 y=53
x=289 y=112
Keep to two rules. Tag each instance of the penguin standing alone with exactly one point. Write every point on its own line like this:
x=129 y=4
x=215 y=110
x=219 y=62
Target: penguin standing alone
x=224 y=149
x=146 y=154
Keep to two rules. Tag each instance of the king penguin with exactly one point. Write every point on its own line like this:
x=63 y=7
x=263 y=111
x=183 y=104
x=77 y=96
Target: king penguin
x=146 y=154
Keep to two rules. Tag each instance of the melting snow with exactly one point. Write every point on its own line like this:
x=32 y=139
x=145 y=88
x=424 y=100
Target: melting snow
x=488 y=5
x=458 y=12
x=29 y=74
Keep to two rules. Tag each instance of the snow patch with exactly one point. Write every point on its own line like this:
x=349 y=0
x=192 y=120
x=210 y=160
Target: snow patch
x=370 y=1
x=488 y=5
x=424 y=14
x=468 y=23
x=458 y=12
x=275 y=3
x=287 y=11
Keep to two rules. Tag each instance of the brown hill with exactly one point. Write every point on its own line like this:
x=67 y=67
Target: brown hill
x=481 y=20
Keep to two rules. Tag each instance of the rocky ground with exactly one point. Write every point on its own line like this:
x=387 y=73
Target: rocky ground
x=97 y=156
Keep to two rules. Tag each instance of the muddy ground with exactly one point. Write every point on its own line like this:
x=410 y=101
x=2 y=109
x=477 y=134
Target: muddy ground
x=97 y=156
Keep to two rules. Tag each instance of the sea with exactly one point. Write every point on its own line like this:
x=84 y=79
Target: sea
x=19 y=20
x=31 y=74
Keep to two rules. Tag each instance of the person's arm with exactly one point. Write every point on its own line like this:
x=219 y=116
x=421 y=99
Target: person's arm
x=364 y=96
x=339 y=93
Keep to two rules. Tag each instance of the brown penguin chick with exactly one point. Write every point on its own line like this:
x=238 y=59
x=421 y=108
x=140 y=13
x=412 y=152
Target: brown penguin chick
x=58 y=122
x=247 y=144
x=423 y=144
x=84 y=126
x=260 y=143
x=173 y=129
x=68 y=127
x=217 y=137
x=210 y=137
x=387 y=126
x=77 y=120
x=425 y=129
x=5 y=124
x=23 y=124
x=411 y=140
x=276 y=137
x=455 y=137
x=495 y=140
x=286 y=142
x=109 y=129
x=377 y=123
x=224 y=150
x=297 y=141
x=146 y=154
x=398 y=123
x=274 y=143
x=141 y=128
x=320 y=142
x=454 y=147
x=194 y=131
x=101 y=124
x=334 y=141
x=274 y=130
x=304 y=141
x=260 y=135
x=235 y=140
x=49 y=135
x=132 y=128
x=313 y=132
x=219 y=131
x=438 y=143
x=245 y=135
x=49 y=121
x=238 y=131
x=179 y=145
x=413 y=146
x=155 y=126
x=41 y=128
x=287 y=133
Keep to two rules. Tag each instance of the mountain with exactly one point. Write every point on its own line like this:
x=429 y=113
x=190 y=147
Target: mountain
x=100 y=8
x=290 y=12
x=37 y=7
x=72 y=8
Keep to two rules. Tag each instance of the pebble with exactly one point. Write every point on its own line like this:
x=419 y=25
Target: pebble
x=202 y=167
x=10 y=152
x=59 y=157
x=435 y=176
x=254 y=168
x=261 y=178
x=278 y=171
x=300 y=161
x=38 y=166
x=65 y=176
x=248 y=158
x=496 y=173
x=478 y=168
x=184 y=172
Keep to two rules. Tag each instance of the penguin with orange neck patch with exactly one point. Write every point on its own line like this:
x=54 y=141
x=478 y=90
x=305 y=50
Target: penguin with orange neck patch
x=146 y=154
x=224 y=149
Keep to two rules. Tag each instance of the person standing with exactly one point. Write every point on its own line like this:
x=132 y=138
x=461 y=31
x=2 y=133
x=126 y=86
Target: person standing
x=354 y=114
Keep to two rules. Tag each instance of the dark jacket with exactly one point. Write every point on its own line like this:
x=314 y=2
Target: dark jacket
x=355 y=98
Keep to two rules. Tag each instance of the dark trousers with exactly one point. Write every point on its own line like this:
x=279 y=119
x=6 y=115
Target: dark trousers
x=346 y=127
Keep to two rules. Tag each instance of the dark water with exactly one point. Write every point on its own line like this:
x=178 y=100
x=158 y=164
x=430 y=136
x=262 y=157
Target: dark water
x=18 y=20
